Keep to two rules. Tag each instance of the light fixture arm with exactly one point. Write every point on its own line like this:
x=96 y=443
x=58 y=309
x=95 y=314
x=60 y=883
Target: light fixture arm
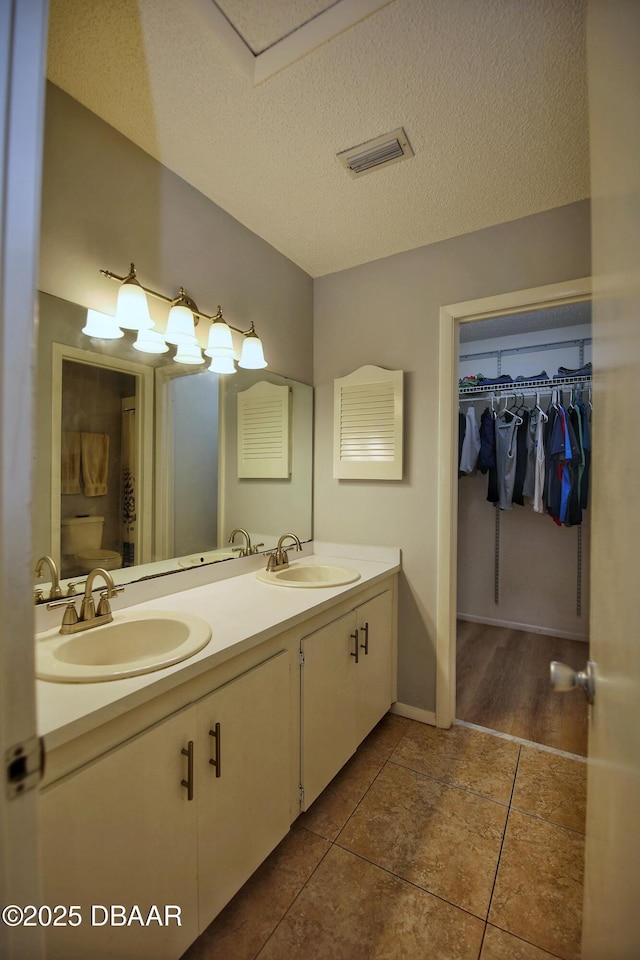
x=183 y=299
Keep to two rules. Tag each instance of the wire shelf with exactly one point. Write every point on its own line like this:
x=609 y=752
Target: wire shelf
x=529 y=386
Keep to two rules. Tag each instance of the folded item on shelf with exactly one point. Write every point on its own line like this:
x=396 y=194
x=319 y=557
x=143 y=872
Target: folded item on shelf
x=584 y=371
x=543 y=375
x=495 y=381
x=473 y=380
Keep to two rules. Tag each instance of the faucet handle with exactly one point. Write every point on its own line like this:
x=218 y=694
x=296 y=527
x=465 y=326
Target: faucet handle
x=70 y=614
x=104 y=607
x=71 y=587
x=256 y=547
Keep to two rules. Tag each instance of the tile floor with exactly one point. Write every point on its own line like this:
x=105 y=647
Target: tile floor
x=441 y=844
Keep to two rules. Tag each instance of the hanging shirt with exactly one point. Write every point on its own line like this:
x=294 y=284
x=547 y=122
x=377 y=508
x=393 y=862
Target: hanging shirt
x=487 y=455
x=506 y=439
x=528 y=487
x=538 y=502
x=470 y=444
x=586 y=447
x=461 y=433
x=521 y=457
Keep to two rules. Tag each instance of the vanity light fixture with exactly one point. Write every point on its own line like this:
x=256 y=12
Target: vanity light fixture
x=181 y=329
x=189 y=353
x=148 y=341
x=220 y=340
x=222 y=365
x=252 y=357
x=101 y=326
x=132 y=313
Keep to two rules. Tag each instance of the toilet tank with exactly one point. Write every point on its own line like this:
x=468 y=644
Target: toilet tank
x=79 y=534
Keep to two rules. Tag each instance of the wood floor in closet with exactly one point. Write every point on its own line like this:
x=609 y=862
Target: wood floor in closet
x=503 y=684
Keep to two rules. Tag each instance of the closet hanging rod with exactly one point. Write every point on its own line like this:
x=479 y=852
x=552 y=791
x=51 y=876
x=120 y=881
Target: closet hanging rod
x=541 y=386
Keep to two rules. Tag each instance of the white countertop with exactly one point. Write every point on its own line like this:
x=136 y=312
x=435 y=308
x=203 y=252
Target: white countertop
x=241 y=611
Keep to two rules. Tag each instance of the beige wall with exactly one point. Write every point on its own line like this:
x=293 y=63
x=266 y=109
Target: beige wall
x=387 y=313
x=105 y=202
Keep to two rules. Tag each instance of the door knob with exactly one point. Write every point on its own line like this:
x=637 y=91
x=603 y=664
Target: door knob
x=565 y=678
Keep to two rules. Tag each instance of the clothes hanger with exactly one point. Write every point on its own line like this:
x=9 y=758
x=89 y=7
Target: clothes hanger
x=511 y=412
x=541 y=412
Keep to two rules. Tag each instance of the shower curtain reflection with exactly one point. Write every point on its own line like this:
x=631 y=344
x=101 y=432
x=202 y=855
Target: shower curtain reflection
x=129 y=471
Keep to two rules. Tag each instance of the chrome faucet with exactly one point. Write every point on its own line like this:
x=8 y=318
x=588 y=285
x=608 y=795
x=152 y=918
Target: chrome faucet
x=248 y=550
x=280 y=557
x=55 y=591
x=72 y=623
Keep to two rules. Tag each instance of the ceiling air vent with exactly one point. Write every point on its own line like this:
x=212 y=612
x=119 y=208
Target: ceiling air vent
x=384 y=150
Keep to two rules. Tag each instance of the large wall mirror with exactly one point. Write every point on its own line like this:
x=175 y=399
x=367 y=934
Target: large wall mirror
x=146 y=466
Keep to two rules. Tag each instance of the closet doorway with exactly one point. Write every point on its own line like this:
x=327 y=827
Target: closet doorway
x=518 y=591
x=523 y=577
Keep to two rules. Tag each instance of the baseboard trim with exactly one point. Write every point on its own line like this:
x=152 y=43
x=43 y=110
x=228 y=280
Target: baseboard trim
x=414 y=713
x=527 y=627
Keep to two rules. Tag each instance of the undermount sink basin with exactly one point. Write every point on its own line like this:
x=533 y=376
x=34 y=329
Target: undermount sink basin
x=133 y=643
x=310 y=575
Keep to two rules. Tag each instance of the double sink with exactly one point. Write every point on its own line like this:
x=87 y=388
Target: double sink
x=135 y=643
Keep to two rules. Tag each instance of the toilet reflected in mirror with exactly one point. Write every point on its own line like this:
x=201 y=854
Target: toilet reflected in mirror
x=81 y=546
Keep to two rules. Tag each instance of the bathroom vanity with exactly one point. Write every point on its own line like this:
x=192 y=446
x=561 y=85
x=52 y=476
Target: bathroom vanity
x=170 y=788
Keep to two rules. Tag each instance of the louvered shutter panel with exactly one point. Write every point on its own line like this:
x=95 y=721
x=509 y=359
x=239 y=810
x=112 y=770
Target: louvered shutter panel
x=367 y=436
x=264 y=432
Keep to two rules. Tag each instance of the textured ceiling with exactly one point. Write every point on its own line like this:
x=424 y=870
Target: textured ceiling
x=491 y=93
x=532 y=321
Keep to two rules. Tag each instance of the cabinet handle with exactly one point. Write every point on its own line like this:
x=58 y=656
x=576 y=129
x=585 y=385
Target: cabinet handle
x=365 y=645
x=354 y=653
x=215 y=733
x=188 y=783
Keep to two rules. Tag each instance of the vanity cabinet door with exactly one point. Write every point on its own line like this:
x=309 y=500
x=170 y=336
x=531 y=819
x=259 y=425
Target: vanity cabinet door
x=121 y=831
x=374 y=674
x=328 y=708
x=243 y=801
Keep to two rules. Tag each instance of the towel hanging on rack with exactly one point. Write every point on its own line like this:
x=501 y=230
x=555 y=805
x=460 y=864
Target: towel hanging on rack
x=70 y=463
x=95 y=463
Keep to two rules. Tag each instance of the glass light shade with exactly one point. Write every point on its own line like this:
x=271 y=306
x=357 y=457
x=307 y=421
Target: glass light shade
x=102 y=326
x=252 y=356
x=133 y=310
x=148 y=341
x=189 y=353
x=180 y=326
x=220 y=340
x=222 y=365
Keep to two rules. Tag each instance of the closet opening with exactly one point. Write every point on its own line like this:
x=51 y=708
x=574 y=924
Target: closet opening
x=524 y=399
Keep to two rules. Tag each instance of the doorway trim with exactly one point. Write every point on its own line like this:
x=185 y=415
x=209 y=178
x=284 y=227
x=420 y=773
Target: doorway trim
x=451 y=316
x=144 y=439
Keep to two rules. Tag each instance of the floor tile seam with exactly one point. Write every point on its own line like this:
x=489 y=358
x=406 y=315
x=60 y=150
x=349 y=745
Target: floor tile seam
x=543 y=747
x=411 y=883
x=298 y=894
x=454 y=786
x=504 y=834
x=517 y=936
x=357 y=806
x=553 y=823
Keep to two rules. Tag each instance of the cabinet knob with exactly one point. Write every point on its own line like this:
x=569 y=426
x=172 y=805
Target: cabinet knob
x=215 y=733
x=355 y=652
x=188 y=783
